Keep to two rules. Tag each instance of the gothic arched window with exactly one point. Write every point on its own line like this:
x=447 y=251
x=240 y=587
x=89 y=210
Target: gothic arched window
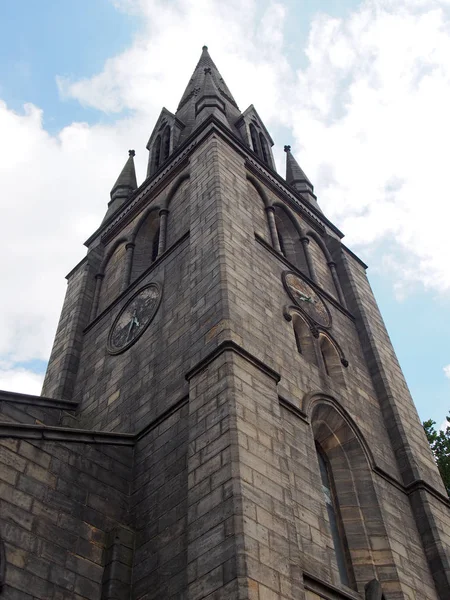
x=146 y=244
x=336 y=527
x=303 y=338
x=331 y=360
x=264 y=149
x=321 y=267
x=112 y=280
x=289 y=238
x=166 y=144
x=156 y=154
x=346 y=477
x=254 y=136
x=155 y=245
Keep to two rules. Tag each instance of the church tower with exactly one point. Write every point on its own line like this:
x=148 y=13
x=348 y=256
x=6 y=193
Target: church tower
x=223 y=415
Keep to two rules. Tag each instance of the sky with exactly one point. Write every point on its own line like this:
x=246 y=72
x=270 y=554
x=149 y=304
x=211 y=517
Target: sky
x=359 y=89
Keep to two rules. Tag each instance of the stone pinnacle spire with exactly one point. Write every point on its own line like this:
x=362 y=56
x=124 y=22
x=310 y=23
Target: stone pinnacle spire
x=206 y=94
x=297 y=179
x=126 y=184
x=197 y=80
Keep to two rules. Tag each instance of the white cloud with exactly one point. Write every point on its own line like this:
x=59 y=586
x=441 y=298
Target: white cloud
x=54 y=189
x=447 y=371
x=368 y=115
x=371 y=113
x=20 y=380
x=369 y=119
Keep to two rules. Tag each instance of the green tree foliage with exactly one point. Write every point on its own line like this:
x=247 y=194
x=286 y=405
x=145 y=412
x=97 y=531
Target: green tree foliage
x=440 y=445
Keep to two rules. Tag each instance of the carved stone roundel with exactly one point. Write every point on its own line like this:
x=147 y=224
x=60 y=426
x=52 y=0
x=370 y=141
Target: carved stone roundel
x=134 y=318
x=306 y=298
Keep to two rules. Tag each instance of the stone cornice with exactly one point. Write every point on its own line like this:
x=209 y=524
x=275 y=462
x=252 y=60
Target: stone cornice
x=162 y=417
x=86 y=436
x=41 y=401
x=291 y=407
x=317 y=585
x=353 y=255
x=76 y=267
x=64 y=434
x=421 y=485
x=230 y=346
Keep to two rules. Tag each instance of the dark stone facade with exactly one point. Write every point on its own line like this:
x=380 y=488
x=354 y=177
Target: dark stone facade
x=185 y=467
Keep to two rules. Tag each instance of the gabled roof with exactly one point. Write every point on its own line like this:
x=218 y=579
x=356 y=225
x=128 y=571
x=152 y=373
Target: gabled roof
x=251 y=110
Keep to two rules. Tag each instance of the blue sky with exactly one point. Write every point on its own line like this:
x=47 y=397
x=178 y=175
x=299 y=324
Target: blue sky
x=39 y=40
x=97 y=73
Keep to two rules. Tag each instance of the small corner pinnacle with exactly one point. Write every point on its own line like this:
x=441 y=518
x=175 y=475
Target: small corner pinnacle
x=131 y=153
x=205 y=48
x=287 y=148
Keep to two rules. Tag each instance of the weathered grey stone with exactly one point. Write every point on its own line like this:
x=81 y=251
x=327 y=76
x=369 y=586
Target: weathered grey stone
x=185 y=467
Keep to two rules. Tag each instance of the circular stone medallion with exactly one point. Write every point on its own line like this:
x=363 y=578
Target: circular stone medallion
x=307 y=299
x=134 y=318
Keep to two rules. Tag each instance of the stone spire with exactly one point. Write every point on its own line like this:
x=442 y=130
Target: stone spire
x=126 y=184
x=206 y=94
x=297 y=179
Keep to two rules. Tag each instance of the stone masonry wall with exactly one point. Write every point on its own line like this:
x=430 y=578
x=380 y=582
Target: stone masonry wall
x=256 y=297
x=59 y=505
x=158 y=505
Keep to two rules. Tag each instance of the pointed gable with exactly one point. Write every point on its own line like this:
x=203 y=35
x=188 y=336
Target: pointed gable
x=255 y=135
x=163 y=140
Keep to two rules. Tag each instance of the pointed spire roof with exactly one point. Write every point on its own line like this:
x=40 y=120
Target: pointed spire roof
x=294 y=173
x=127 y=178
x=196 y=82
x=206 y=94
x=296 y=178
x=126 y=184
